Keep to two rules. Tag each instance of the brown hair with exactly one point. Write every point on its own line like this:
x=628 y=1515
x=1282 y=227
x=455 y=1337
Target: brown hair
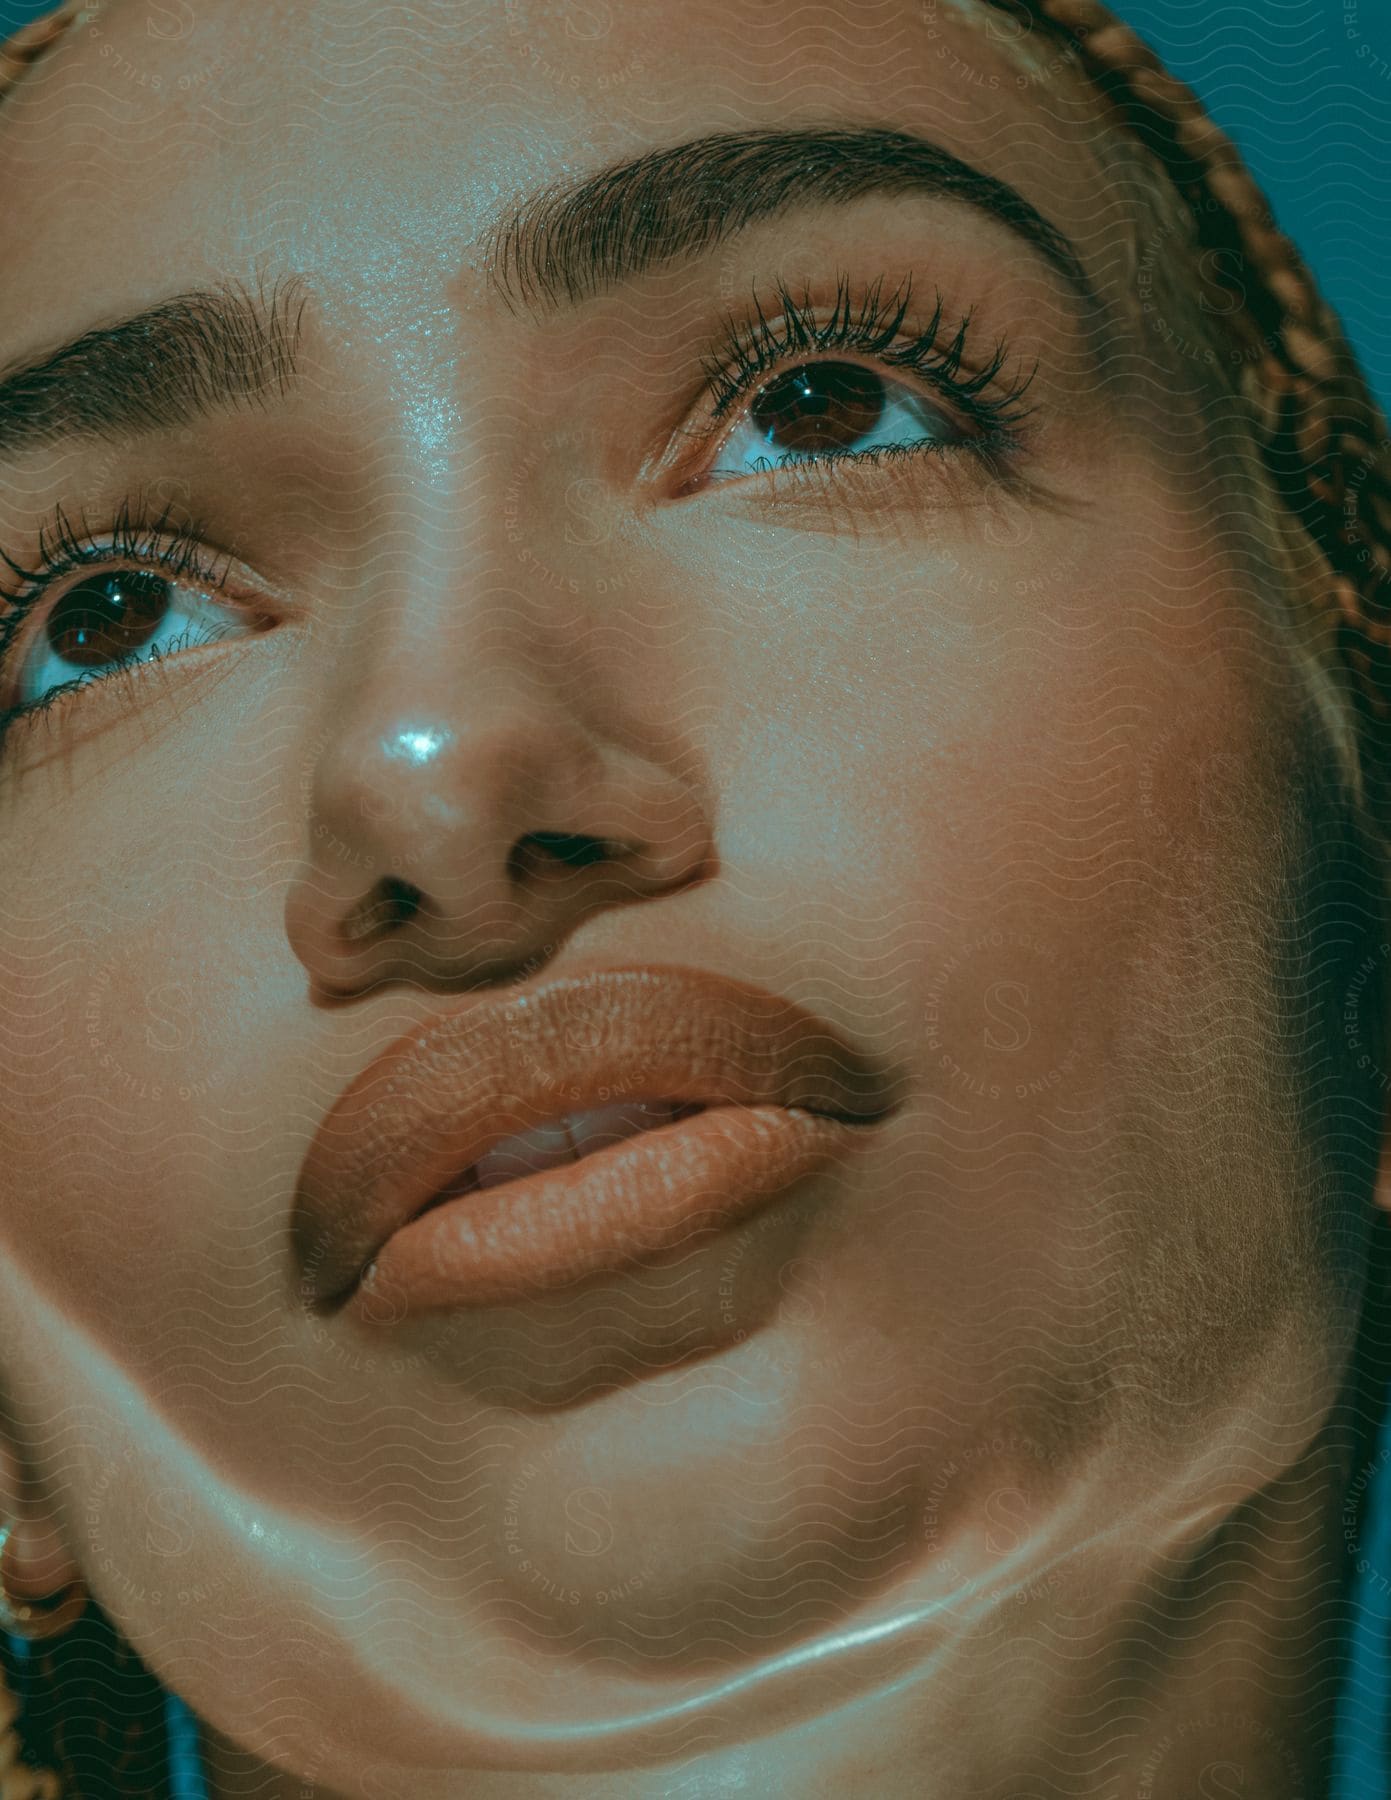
x=1321 y=434
x=90 y=1708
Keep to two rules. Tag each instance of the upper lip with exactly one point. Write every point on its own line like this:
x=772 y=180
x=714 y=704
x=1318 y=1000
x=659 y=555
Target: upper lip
x=462 y=1080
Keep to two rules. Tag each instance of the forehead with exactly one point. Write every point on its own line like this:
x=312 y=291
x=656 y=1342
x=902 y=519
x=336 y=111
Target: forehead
x=161 y=145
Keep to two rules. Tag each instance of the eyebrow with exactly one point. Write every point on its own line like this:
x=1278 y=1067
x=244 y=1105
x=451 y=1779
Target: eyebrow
x=156 y=370
x=210 y=349
x=573 y=242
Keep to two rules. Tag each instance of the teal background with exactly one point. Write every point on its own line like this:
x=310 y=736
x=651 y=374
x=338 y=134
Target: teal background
x=1304 y=88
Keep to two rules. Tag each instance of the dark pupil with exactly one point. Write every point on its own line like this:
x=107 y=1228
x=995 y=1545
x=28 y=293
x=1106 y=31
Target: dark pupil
x=821 y=406
x=107 y=616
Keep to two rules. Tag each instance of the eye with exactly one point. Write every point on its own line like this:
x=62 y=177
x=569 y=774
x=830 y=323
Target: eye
x=107 y=620
x=823 y=410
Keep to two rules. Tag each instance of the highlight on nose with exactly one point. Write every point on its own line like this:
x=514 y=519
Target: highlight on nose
x=453 y=843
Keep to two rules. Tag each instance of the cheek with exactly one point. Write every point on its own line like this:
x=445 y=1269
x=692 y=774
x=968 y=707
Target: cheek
x=136 y=946
x=1021 y=765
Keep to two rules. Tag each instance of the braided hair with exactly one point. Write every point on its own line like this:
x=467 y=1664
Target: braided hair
x=87 y=1709
x=84 y=1719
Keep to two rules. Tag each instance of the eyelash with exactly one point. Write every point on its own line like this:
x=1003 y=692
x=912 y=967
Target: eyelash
x=133 y=536
x=751 y=350
x=754 y=348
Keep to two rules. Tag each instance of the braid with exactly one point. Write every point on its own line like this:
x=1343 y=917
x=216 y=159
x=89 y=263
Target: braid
x=1322 y=436
x=92 y=1717
x=29 y=42
x=88 y=1706
x=19 y=1778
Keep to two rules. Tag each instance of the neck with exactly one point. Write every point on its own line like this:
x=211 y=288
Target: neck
x=1216 y=1671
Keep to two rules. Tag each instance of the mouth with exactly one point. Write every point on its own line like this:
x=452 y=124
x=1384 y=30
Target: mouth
x=559 y=1143
x=532 y=1139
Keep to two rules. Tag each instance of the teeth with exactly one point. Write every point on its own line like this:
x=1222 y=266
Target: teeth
x=566 y=1140
x=524 y=1153
x=605 y=1125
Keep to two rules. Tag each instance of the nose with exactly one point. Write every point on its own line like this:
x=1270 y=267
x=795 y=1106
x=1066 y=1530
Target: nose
x=449 y=845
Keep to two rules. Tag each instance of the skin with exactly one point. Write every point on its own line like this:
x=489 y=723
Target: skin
x=1046 y=1346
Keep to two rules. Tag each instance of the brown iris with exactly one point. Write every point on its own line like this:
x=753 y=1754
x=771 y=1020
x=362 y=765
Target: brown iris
x=819 y=407
x=106 y=617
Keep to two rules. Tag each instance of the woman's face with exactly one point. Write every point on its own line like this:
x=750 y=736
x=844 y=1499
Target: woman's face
x=965 y=728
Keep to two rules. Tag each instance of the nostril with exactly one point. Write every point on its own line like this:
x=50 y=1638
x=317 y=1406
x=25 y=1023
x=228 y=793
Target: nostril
x=391 y=904
x=567 y=847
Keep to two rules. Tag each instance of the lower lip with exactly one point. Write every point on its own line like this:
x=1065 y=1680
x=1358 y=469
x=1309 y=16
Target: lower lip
x=648 y=1196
